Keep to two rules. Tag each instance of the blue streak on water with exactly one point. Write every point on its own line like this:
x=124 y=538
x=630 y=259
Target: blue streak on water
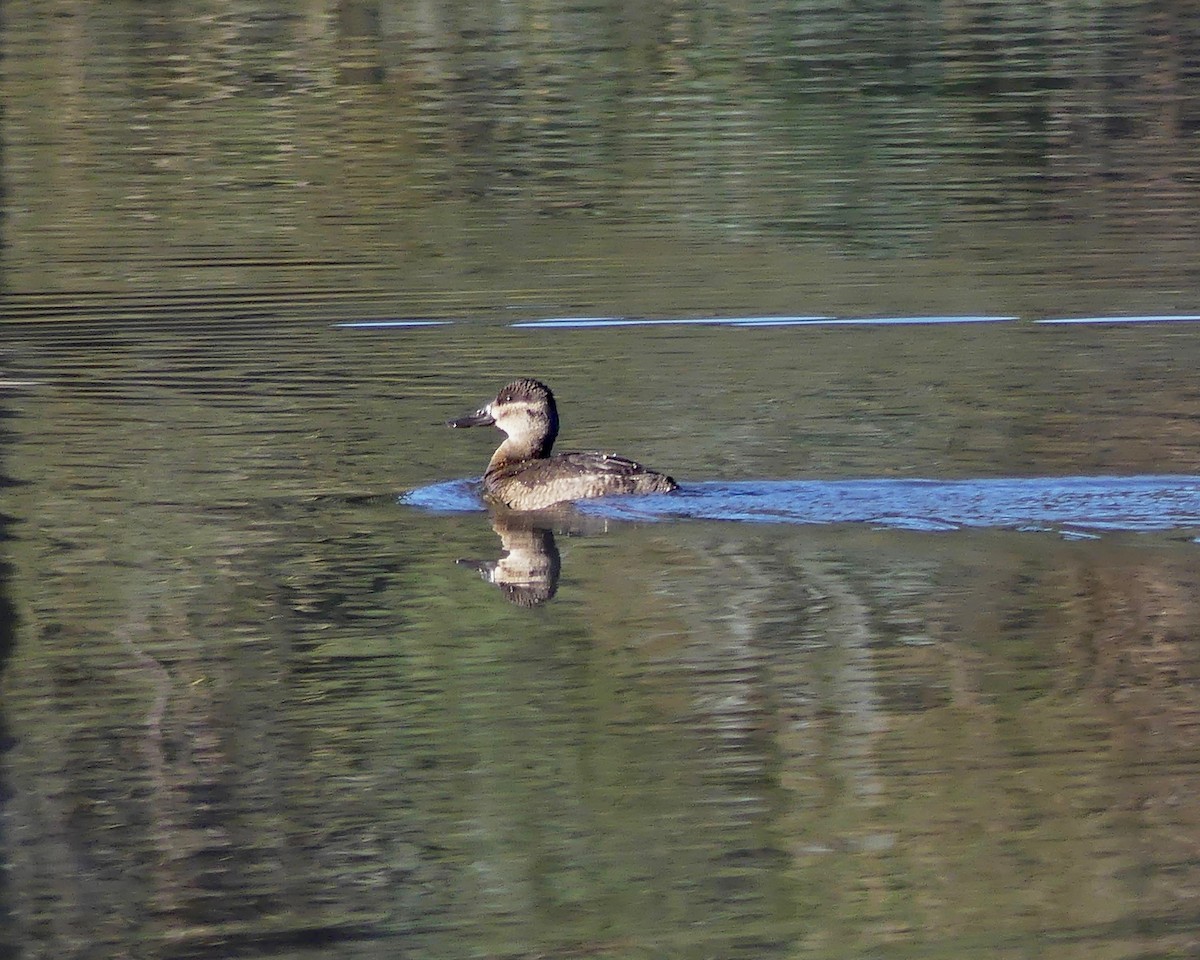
x=579 y=322
x=386 y=324
x=453 y=496
x=909 y=321
x=1070 y=505
x=584 y=322
x=1100 y=504
x=1152 y=318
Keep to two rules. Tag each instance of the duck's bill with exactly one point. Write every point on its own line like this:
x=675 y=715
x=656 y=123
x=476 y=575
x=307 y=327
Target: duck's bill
x=480 y=418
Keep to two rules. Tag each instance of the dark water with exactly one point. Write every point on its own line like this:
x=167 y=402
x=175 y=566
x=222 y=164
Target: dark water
x=910 y=666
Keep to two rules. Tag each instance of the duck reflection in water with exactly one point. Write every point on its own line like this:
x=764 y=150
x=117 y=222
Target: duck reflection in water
x=527 y=571
x=522 y=475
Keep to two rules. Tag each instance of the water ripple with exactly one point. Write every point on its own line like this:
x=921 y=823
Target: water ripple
x=1033 y=503
x=453 y=496
x=1064 y=504
x=780 y=321
x=1104 y=321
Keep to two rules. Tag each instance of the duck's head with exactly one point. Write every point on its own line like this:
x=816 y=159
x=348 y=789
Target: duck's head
x=524 y=410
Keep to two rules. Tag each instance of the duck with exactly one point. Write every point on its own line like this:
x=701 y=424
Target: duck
x=523 y=475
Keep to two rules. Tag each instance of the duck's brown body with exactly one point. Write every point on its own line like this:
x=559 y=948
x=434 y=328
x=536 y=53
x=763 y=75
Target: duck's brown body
x=524 y=476
x=534 y=484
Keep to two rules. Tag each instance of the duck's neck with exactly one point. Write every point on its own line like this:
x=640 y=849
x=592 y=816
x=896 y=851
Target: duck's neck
x=518 y=449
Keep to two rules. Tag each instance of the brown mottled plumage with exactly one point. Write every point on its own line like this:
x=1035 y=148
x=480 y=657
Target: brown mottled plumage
x=524 y=476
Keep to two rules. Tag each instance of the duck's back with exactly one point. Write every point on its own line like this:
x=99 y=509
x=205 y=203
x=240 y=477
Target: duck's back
x=534 y=484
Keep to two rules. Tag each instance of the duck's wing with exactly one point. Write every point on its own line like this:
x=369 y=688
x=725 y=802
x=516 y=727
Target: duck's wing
x=593 y=461
x=615 y=474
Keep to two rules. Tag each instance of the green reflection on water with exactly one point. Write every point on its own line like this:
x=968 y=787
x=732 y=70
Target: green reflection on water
x=256 y=701
x=255 y=705
x=907 y=160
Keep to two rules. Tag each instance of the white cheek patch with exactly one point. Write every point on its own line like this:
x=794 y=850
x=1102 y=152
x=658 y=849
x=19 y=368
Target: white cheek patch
x=513 y=417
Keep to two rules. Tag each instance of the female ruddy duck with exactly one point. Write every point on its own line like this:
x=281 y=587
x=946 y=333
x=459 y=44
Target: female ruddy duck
x=522 y=474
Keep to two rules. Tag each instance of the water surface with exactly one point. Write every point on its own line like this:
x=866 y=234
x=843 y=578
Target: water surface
x=256 y=700
x=922 y=277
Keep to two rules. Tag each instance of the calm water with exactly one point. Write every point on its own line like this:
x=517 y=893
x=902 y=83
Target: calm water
x=908 y=670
